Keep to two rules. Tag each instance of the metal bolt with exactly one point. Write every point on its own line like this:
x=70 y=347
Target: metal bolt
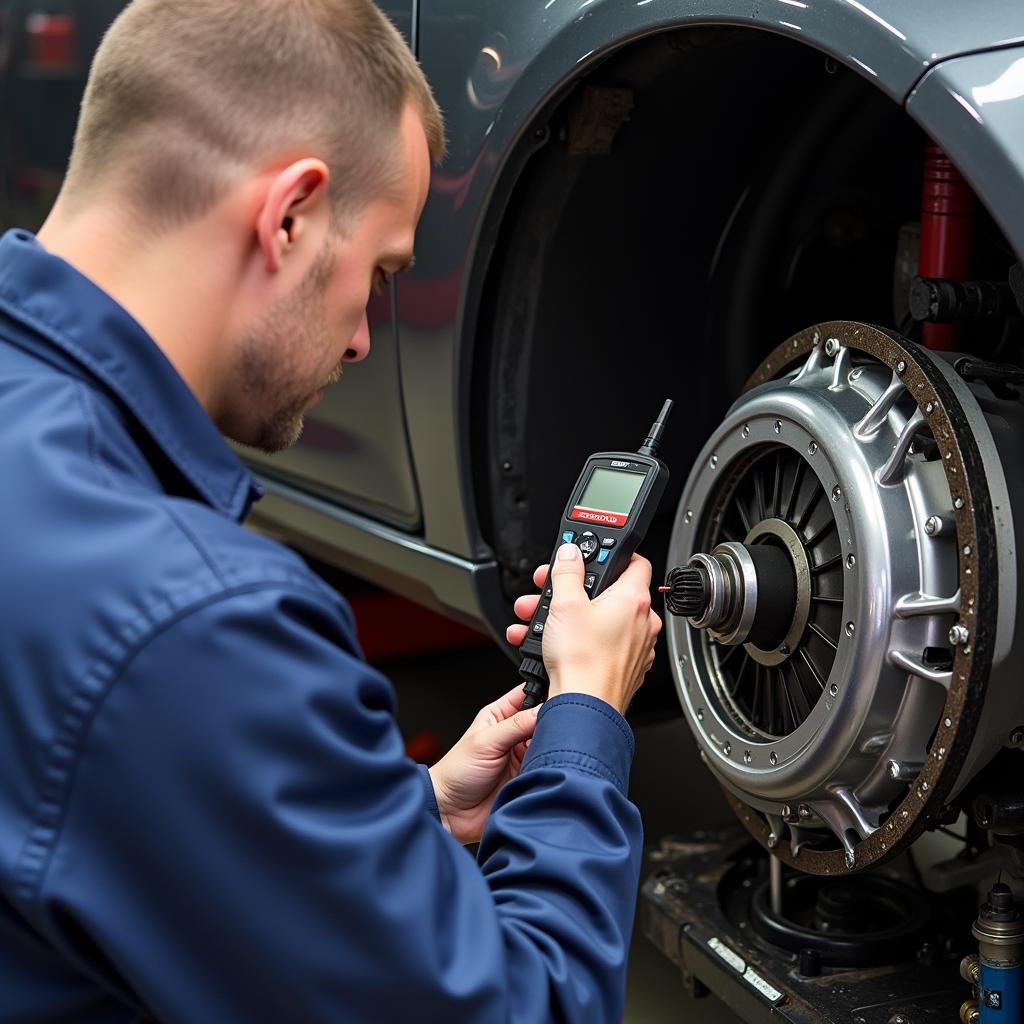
x=772 y=841
x=803 y=811
x=851 y=858
x=714 y=461
x=959 y=634
x=746 y=430
x=727 y=749
x=831 y=347
x=834 y=689
x=787 y=812
x=930 y=407
x=689 y=514
x=746 y=757
x=700 y=714
x=850 y=628
x=901 y=366
x=967 y=550
x=507 y=467
x=778 y=426
x=851 y=561
x=898 y=1018
x=836 y=493
x=773 y=757
x=856 y=374
x=958 y=503
x=812 y=448
x=1017 y=736
x=784 y=650
x=947 y=721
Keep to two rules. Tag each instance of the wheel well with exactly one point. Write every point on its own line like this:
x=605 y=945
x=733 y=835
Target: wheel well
x=755 y=188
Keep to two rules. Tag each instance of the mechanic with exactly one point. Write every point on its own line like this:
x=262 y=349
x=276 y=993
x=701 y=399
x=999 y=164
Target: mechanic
x=206 y=814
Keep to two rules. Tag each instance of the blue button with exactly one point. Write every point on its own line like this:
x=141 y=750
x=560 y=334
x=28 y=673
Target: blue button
x=602 y=556
x=567 y=537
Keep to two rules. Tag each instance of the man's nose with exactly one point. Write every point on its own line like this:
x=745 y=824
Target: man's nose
x=359 y=347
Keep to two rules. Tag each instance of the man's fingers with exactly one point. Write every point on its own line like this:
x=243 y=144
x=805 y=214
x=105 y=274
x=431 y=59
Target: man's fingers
x=515 y=635
x=526 y=605
x=540 y=576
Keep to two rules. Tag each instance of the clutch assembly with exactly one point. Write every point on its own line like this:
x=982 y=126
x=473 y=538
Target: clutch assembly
x=845 y=592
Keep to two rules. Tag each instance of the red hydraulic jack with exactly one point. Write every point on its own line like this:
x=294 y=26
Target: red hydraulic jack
x=948 y=210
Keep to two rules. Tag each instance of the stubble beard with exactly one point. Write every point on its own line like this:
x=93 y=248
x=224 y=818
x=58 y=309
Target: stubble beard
x=284 y=338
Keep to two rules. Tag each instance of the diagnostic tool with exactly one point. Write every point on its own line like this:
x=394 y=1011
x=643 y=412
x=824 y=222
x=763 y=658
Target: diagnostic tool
x=606 y=517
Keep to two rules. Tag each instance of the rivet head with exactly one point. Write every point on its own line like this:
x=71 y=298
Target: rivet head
x=932 y=525
x=773 y=757
x=713 y=461
x=959 y=634
x=947 y=722
x=784 y=650
x=901 y=366
x=850 y=629
x=833 y=689
x=689 y=514
x=772 y=840
x=778 y=426
x=831 y=347
x=836 y=493
x=851 y=561
x=746 y=430
x=930 y=407
x=727 y=749
x=700 y=714
x=812 y=448
x=958 y=503
x=856 y=374
x=967 y=549
x=746 y=757
x=851 y=858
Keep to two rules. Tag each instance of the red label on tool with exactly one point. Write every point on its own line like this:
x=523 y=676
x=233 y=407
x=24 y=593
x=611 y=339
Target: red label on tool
x=592 y=515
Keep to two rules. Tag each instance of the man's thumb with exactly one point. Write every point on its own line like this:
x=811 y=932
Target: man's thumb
x=567 y=571
x=503 y=736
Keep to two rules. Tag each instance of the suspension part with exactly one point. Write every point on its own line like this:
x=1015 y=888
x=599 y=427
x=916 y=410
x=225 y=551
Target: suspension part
x=948 y=208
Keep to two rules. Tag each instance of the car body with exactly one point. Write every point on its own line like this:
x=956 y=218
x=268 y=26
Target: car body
x=640 y=200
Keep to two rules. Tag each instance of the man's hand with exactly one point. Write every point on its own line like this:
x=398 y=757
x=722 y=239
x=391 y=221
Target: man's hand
x=603 y=647
x=467 y=779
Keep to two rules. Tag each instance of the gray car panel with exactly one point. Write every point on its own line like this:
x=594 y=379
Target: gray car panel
x=975 y=105
x=494 y=66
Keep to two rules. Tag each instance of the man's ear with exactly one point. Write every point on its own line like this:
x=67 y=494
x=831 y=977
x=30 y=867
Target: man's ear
x=294 y=210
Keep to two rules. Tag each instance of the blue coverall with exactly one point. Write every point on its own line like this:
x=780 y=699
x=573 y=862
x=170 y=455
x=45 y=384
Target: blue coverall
x=206 y=815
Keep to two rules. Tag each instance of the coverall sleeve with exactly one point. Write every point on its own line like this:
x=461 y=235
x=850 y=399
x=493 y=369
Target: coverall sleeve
x=245 y=841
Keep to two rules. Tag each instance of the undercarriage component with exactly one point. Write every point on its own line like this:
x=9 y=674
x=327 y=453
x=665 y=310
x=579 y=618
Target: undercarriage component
x=698 y=907
x=852 y=664
x=948 y=206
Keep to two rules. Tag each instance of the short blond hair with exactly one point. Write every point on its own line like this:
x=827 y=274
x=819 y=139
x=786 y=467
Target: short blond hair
x=185 y=96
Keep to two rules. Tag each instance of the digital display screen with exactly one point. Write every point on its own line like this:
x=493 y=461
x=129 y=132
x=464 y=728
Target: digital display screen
x=611 y=491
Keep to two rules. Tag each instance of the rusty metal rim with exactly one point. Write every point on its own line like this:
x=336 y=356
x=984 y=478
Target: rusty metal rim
x=975 y=529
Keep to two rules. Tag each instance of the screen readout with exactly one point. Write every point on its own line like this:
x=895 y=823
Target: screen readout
x=611 y=491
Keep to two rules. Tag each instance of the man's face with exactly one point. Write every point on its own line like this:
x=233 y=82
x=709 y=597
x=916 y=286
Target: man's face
x=299 y=346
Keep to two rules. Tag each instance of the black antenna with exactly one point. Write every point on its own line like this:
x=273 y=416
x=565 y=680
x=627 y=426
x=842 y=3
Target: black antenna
x=653 y=438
